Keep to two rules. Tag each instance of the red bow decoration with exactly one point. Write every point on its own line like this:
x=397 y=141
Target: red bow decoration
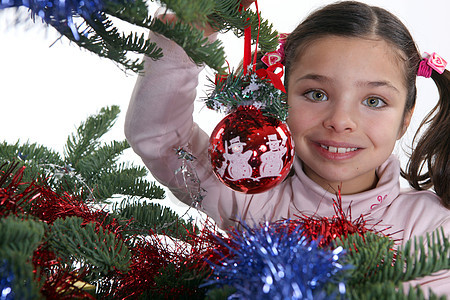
x=273 y=77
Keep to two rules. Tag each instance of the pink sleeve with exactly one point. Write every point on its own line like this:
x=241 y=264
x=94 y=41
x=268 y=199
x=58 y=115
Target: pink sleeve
x=439 y=283
x=159 y=115
x=159 y=119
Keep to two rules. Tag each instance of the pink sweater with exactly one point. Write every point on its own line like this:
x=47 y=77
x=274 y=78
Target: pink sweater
x=159 y=119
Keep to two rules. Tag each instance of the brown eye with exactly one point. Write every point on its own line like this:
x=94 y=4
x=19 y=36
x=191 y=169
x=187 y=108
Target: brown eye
x=316 y=95
x=374 y=102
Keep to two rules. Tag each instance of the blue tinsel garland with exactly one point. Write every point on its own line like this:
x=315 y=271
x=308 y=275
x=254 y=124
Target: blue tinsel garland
x=6 y=281
x=59 y=13
x=272 y=262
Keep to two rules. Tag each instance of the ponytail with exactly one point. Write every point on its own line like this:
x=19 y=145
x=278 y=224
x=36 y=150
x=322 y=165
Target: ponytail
x=432 y=150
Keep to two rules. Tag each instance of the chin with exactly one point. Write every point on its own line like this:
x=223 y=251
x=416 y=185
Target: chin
x=345 y=179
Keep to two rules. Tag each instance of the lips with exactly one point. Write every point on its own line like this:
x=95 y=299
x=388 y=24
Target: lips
x=336 y=150
x=341 y=150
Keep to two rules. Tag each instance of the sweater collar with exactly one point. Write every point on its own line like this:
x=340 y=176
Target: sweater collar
x=367 y=203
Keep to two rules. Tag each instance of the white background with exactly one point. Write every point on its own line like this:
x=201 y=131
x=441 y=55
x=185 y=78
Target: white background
x=45 y=92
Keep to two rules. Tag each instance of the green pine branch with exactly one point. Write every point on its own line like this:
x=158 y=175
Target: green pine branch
x=227 y=94
x=84 y=249
x=88 y=134
x=100 y=33
x=27 y=151
x=31 y=155
x=89 y=168
x=194 y=12
x=228 y=17
x=101 y=160
x=230 y=93
x=98 y=164
x=152 y=217
x=92 y=247
x=19 y=238
x=134 y=12
x=182 y=278
x=220 y=293
x=379 y=271
x=365 y=255
x=419 y=258
x=105 y=39
x=194 y=43
x=120 y=182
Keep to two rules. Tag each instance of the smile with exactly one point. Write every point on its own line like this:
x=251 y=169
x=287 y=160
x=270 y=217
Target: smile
x=333 y=149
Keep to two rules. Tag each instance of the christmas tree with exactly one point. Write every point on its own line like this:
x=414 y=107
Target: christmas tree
x=54 y=216
x=81 y=225
x=59 y=239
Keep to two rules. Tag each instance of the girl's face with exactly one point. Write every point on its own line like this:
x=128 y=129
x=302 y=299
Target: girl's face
x=346 y=100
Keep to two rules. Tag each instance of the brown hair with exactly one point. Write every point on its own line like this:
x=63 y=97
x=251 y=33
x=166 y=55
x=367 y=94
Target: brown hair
x=433 y=146
x=355 y=19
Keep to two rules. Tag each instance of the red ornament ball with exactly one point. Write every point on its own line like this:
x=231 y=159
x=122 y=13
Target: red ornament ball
x=251 y=152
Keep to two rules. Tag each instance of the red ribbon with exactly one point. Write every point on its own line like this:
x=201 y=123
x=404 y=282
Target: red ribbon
x=247 y=48
x=273 y=77
x=248 y=42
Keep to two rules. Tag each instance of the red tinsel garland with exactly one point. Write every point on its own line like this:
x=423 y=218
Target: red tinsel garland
x=37 y=199
x=152 y=256
x=10 y=199
x=326 y=229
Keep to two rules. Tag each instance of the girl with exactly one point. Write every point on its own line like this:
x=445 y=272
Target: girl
x=350 y=79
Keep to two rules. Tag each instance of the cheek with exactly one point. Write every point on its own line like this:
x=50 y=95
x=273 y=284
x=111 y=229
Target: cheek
x=303 y=115
x=299 y=120
x=383 y=130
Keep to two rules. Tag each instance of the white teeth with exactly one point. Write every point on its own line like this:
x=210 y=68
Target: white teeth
x=333 y=149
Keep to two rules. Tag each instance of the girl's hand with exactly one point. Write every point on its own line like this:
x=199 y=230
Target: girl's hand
x=246 y=3
x=208 y=30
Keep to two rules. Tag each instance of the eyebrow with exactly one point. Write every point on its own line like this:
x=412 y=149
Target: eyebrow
x=381 y=83
x=325 y=79
x=315 y=77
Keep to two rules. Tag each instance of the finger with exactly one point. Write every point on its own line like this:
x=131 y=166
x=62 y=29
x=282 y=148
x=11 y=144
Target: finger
x=247 y=3
x=167 y=18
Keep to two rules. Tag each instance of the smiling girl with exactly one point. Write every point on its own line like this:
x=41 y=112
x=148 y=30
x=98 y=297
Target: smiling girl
x=346 y=110
x=350 y=79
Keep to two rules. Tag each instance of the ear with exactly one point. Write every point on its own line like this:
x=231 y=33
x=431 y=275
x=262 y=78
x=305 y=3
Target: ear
x=406 y=120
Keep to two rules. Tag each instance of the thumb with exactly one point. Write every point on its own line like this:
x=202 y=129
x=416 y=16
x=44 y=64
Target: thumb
x=247 y=3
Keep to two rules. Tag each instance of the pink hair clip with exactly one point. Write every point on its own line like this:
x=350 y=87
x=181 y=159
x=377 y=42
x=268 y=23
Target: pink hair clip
x=274 y=57
x=429 y=63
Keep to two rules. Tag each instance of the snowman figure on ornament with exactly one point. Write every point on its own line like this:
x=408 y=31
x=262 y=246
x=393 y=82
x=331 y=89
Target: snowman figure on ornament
x=239 y=168
x=272 y=161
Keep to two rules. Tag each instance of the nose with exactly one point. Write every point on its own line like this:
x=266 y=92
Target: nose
x=341 y=118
